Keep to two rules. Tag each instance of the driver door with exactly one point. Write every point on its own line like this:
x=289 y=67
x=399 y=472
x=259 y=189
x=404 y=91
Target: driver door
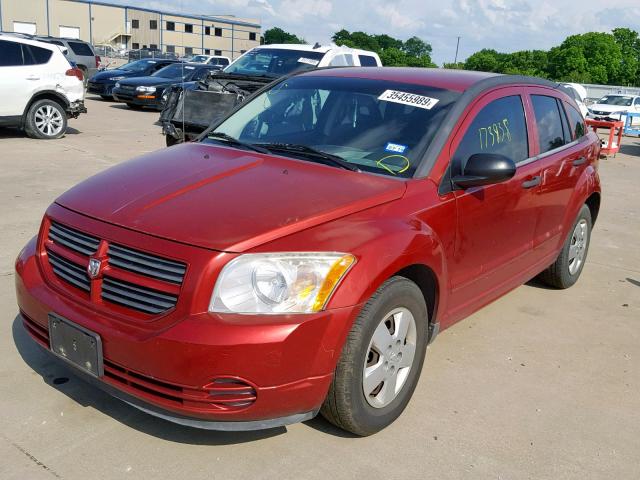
x=495 y=223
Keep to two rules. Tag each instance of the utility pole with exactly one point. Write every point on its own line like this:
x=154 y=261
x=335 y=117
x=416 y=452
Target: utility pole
x=455 y=61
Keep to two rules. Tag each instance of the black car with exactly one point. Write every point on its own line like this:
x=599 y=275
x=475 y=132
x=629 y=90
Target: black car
x=147 y=91
x=102 y=83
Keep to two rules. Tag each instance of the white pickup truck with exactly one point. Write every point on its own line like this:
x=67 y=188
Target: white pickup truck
x=190 y=108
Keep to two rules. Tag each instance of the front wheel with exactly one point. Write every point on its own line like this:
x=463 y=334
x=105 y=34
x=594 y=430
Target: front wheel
x=46 y=119
x=381 y=360
x=566 y=270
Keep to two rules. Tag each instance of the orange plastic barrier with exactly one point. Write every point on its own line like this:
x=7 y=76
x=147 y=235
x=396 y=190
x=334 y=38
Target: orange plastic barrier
x=615 y=134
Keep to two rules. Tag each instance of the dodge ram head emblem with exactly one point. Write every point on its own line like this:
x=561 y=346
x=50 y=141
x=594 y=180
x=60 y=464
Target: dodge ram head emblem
x=93 y=269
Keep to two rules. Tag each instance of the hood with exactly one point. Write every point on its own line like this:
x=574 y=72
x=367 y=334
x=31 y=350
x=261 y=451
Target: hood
x=603 y=107
x=223 y=198
x=107 y=74
x=149 y=81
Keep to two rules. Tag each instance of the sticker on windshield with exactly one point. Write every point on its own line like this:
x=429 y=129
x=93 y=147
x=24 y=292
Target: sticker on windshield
x=395 y=147
x=406 y=98
x=308 y=61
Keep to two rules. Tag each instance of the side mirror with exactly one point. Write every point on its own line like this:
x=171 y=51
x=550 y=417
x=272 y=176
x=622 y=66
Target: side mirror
x=485 y=169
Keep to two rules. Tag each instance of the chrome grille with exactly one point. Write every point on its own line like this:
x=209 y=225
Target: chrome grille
x=70 y=272
x=146 y=264
x=137 y=297
x=73 y=239
x=130 y=278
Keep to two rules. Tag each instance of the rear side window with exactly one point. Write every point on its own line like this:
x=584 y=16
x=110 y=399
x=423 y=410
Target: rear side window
x=10 y=54
x=499 y=128
x=576 y=122
x=36 y=55
x=81 y=49
x=549 y=122
x=367 y=61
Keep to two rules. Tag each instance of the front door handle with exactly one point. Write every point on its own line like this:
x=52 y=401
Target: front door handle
x=531 y=182
x=579 y=161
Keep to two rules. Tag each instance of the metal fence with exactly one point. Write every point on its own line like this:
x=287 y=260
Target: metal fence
x=595 y=92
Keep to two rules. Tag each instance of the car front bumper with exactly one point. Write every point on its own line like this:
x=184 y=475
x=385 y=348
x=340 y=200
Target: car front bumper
x=287 y=361
x=98 y=88
x=153 y=100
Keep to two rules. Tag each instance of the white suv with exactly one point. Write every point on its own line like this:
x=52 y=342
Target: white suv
x=39 y=88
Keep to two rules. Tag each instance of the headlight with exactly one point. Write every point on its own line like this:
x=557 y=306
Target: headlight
x=121 y=77
x=279 y=282
x=146 y=89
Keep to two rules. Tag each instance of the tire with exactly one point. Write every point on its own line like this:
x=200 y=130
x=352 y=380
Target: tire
x=46 y=120
x=564 y=272
x=133 y=106
x=346 y=405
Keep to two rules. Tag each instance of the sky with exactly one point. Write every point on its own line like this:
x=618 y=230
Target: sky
x=504 y=25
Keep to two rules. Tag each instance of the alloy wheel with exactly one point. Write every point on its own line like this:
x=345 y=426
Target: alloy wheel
x=578 y=246
x=48 y=120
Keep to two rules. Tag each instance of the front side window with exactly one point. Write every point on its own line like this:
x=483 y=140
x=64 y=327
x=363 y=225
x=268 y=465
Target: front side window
x=275 y=62
x=342 y=60
x=11 y=54
x=379 y=126
x=499 y=128
x=549 y=121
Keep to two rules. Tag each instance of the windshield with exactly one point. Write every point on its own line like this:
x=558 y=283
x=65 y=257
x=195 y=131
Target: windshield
x=616 y=100
x=274 y=62
x=378 y=126
x=137 y=66
x=175 y=71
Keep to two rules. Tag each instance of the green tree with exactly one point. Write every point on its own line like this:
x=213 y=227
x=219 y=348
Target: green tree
x=629 y=44
x=414 y=52
x=278 y=35
x=486 y=60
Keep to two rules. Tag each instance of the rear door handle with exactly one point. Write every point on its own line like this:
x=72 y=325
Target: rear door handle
x=532 y=182
x=579 y=161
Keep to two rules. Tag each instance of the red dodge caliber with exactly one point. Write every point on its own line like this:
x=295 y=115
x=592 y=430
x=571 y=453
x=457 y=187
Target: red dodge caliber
x=301 y=255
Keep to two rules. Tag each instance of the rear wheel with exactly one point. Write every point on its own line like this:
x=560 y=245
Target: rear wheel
x=46 y=119
x=566 y=270
x=381 y=361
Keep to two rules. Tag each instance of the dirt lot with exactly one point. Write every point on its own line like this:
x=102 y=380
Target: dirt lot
x=542 y=384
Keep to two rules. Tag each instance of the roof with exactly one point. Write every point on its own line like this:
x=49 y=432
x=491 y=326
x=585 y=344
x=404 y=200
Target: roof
x=456 y=80
x=313 y=48
x=212 y=18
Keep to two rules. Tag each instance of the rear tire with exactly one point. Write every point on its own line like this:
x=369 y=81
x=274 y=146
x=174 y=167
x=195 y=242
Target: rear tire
x=566 y=270
x=381 y=360
x=46 y=120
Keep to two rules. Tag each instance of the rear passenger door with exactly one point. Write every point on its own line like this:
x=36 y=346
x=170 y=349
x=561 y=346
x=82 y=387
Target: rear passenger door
x=496 y=222
x=562 y=154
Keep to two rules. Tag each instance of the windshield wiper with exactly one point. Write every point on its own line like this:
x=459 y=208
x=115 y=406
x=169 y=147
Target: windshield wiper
x=236 y=143
x=305 y=150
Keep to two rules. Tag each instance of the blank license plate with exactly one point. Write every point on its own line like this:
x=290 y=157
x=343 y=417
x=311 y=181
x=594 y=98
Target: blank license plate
x=75 y=344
